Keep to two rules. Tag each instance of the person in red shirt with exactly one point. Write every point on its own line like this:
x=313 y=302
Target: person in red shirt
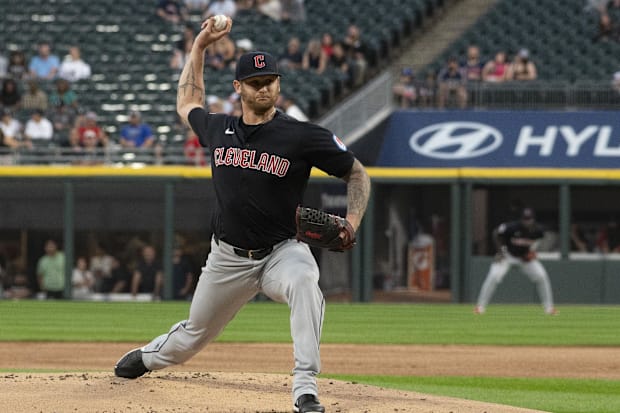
x=86 y=127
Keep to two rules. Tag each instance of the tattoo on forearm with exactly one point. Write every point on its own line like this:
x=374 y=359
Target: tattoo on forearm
x=190 y=84
x=358 y=190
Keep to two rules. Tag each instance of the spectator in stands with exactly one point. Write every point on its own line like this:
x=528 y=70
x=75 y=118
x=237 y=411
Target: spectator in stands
x=189 y=34
x=86 y=127
x=34 y=98
x=17 y=286
x=44 y=65
x=11 y=129
x=82 y=280
x=327 y=44
x=292 y=57
x=119 y=280
x=148 y=277
x=213 y=60
x=179 y=57
x=405 y=89
x=340 y=62
x=241 y=46
x=172 y=11
x=6 y=158
x=451 y=80
x=497 y=70
x=17 y=69
x=288 y=105
x=63 y=95
x=270 y=8
x=136 y=134
x=522 y=67
x=101 y=267
x=313 y=58
x=73 y=68
x=63 y=118
x=245 y=6
x=193 y=150
x=225 y=48
x=293 y=10
x=606 y=30
x=183 y=278
x=225 y=7
x=4 y=66
x=51 y=271
x=473 y=66
x=608 y=237
x=616 y=81
x=356 y=50
x=10 y=98
x=426 y=90
x=38 y=129
x=577 y=239
x=198 y=5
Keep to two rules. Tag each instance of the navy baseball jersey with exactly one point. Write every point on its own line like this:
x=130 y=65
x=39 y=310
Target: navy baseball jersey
x=518 y=238
x=260 y=172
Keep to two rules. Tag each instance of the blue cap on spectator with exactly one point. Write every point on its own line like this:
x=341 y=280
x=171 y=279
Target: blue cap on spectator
x=407 y=71
x=256 y=64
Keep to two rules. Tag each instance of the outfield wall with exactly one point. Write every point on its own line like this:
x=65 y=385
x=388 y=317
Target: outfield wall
x=156 y=204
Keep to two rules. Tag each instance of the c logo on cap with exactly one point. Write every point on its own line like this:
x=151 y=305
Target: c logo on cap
x=259 y=61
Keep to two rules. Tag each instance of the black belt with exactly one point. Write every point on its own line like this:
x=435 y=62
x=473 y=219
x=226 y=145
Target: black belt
x=252 y=254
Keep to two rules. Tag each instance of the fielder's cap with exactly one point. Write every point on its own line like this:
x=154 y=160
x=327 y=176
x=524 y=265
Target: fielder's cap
x=527 y=213
x=256 y=64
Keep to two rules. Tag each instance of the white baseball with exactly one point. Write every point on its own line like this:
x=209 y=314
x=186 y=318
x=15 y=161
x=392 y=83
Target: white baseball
x=219 y=22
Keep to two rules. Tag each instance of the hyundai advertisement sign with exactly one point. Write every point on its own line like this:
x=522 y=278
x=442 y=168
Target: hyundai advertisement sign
x=502 y=139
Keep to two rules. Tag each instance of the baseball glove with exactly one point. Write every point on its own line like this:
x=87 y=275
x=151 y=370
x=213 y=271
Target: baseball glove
x=321 y=229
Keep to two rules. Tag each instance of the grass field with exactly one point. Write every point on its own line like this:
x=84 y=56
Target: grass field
x=368 y=324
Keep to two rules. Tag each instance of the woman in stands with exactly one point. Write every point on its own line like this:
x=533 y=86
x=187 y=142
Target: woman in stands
x=497 y=70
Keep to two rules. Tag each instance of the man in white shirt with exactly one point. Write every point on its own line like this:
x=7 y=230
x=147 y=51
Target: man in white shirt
x=73 y=68
x=38 y=128
x=11 y=127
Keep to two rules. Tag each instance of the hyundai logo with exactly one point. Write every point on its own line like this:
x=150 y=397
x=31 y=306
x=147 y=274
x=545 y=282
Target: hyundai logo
x=455 y=140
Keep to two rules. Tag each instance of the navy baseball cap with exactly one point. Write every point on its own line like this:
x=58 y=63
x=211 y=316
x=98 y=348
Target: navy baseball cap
x=256 y=64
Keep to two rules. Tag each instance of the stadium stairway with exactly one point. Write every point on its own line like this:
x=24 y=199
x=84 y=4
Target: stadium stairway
x=442 y=32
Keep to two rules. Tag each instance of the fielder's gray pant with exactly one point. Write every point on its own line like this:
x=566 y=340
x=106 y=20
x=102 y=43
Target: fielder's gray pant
x=289 y=275
x=533 y=269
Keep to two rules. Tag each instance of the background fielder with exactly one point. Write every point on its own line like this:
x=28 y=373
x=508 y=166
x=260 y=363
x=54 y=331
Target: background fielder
x=515 y=245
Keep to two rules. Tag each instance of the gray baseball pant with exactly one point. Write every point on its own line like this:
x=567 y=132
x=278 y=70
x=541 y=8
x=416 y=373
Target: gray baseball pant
x=288 y=275
x=533 y=269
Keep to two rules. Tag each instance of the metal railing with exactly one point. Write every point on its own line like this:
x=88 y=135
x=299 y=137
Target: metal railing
x=43 y=154
x=357 y=112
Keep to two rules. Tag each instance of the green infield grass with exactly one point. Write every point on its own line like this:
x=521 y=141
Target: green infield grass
x=364 y=324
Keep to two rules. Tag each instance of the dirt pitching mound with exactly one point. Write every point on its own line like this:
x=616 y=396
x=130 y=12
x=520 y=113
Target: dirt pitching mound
x=210 y=392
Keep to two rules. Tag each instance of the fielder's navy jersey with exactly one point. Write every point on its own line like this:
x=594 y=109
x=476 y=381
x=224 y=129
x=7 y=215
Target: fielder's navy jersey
x=518 y=238
x=260 y=173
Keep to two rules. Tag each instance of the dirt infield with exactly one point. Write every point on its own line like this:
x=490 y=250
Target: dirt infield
x=212 y=382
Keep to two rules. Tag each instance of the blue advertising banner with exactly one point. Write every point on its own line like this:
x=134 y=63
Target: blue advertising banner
x=528 y=139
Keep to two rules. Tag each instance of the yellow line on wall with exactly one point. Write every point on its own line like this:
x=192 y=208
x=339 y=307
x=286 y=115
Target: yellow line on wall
x=41 y=171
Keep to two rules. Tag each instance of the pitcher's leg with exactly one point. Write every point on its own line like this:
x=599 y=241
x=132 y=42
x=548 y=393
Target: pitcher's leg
x=227 y=282
x=291 y=276
x=537 y=273
x=496 y=274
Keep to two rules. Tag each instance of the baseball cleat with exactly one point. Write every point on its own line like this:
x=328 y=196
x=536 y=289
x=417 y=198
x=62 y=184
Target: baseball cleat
x=478 y=309
x=130 y=366
x=308 y=403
